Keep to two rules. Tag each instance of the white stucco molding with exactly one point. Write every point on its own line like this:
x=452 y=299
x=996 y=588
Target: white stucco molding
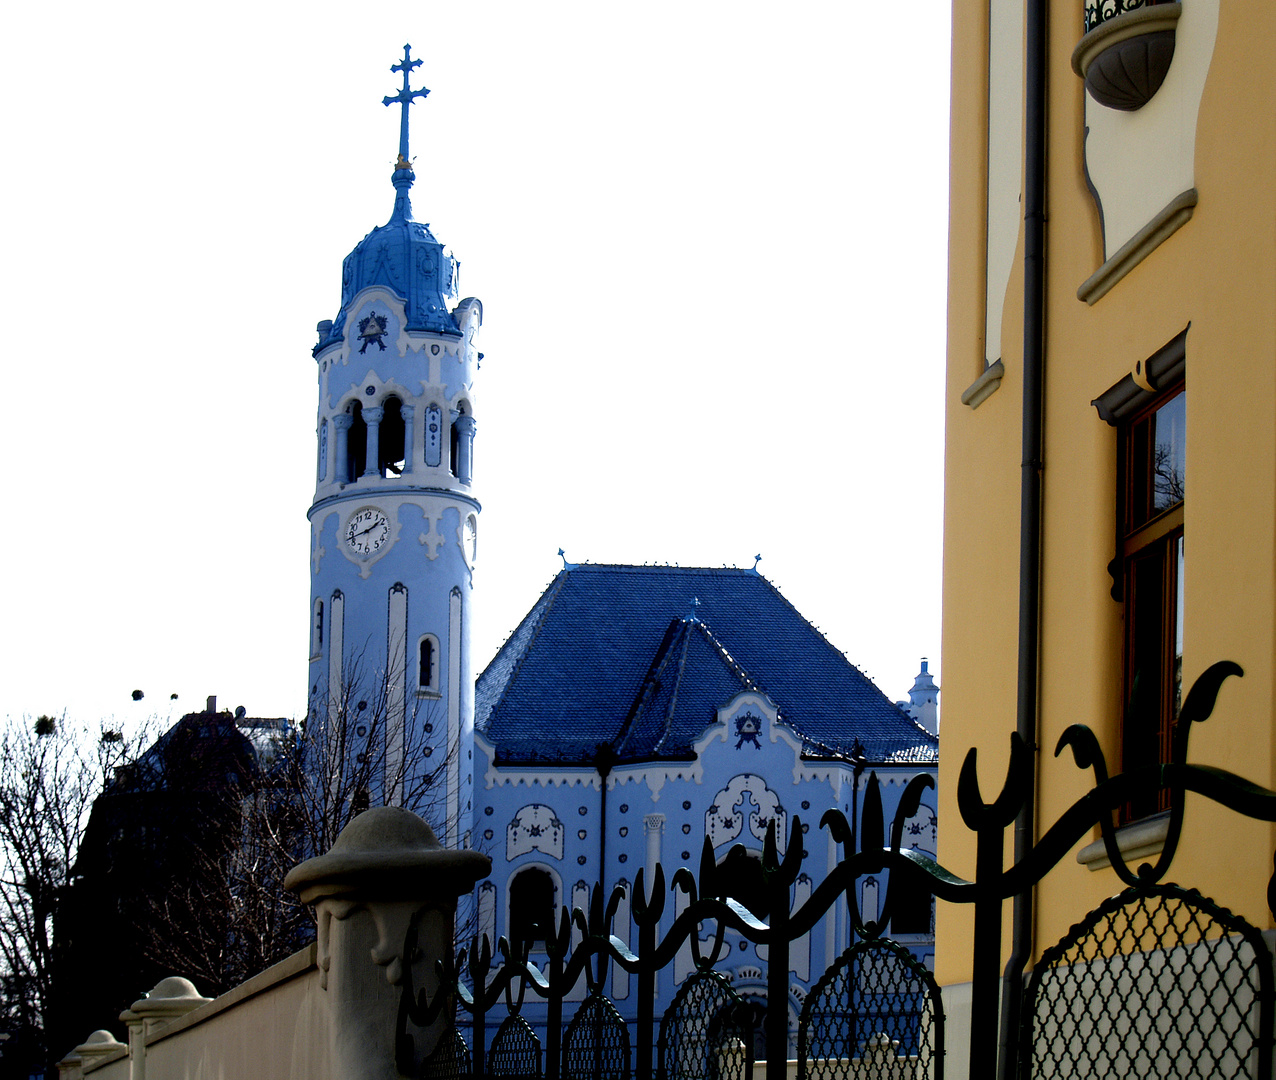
x=1172 y=217
x=1138 y=840
x=740 y=706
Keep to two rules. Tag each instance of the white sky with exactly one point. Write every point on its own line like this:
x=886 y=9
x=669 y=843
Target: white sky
x=710 y=241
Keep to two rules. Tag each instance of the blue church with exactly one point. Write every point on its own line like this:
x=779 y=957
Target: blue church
x=633 y=712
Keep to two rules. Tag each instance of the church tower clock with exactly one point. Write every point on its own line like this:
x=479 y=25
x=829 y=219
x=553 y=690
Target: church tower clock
x=394 y=524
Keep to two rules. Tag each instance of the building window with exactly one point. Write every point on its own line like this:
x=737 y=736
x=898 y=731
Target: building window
x=911 y=911
x=356 y=444
x=531 y=905
x=316 y=630
x=1149 y=581
x=390 y=446
x=427 y=680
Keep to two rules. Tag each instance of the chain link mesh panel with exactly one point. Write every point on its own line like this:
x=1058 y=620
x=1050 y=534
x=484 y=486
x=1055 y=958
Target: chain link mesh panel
x=875 y=1013
x=596 y=1046
x=450 y=1060
x=1154 y=982
x=706 y=1033
x=516 y=1051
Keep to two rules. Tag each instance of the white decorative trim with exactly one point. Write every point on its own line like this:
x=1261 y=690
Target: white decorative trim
x=317 y=550
x=1138 y=840
x=535 y=827
x=433 y=539
x=723 y=823
x=1172 y=217
x=985 y=386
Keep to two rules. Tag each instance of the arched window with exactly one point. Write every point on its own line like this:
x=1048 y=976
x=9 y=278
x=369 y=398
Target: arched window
x=316 y=630
x=391 y=443
x=911 y=912
x=531 y=904
x=454 y=454
x=427 y=679
x=356 y=444
x=323 y=449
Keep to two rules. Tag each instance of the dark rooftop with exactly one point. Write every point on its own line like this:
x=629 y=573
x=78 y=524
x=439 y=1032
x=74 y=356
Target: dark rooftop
x=639 y=658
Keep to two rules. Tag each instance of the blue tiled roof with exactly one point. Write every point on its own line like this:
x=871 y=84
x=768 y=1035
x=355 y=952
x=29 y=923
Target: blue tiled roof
x=621 y=656
x=402 y=255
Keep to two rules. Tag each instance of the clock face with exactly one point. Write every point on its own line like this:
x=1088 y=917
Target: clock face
x=367 y=531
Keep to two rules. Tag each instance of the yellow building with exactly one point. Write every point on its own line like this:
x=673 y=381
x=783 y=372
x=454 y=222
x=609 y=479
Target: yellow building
x=1154 y=330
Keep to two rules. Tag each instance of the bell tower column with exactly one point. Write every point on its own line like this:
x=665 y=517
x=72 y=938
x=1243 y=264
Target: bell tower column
x=394 y=522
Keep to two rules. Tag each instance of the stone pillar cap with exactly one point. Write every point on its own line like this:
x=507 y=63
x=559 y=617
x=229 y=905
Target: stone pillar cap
x=100 y=1043
x=388 y=853
x=173 y=996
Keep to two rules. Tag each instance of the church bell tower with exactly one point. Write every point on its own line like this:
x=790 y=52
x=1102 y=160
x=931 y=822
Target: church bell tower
x=394 y=523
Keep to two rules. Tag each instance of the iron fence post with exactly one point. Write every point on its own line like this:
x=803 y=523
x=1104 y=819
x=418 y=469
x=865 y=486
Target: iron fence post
x=645 y=1031
x=777 y=992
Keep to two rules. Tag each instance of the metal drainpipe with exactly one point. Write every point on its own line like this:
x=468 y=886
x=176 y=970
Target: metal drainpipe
x=1034 y=273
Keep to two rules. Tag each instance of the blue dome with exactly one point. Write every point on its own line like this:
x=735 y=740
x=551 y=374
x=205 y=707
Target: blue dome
x=403 y=256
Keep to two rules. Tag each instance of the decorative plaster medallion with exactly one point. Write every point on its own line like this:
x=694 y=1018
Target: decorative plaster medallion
x=371 y=331
x=317 y=550
x=432 y=540
x=747 y=729
x=534 y=828
x=724 y=820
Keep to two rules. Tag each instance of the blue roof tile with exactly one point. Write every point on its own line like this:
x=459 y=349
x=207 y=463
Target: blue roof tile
x=609 y=656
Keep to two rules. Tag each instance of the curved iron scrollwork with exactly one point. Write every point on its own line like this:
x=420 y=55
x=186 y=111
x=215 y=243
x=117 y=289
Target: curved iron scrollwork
x=761 y=906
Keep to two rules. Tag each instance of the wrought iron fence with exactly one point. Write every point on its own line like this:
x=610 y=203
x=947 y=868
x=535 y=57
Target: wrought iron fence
x=1157 y=981
x=708 y=1032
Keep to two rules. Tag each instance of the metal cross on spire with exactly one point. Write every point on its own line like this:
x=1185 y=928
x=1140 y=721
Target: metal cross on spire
x=405 y=97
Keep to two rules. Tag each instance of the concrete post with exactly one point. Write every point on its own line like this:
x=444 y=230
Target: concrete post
x=171 y=998
x=385 y=869
x=101 y=1044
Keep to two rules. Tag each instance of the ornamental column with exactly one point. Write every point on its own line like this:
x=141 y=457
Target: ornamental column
x=654 y=824
x=407 y=412
x=465 y=426
x=373 y=416
x=385 y=873
x=341 y=466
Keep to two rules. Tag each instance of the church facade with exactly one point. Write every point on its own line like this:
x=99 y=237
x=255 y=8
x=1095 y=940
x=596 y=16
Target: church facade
x=634 y=712
x=637 y=711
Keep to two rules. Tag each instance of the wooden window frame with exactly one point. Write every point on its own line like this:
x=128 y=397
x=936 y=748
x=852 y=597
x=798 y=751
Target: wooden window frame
x=1146 y=581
